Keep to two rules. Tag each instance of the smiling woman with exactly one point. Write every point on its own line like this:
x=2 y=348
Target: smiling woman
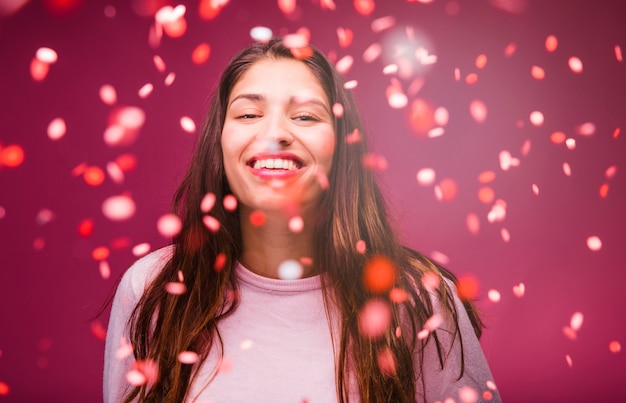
x=296 y=289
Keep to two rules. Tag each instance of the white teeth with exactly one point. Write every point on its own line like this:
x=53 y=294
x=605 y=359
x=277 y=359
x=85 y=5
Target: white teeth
x=275 y=163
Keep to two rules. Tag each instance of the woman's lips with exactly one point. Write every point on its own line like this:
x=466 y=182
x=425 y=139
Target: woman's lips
x=275 y=166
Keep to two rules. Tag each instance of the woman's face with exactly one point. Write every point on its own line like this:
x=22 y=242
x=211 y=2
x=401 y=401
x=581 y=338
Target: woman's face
x=278 y=137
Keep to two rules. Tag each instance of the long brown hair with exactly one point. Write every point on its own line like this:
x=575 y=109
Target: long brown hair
x=352 y=209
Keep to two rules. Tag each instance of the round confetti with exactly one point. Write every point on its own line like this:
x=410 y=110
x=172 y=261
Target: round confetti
x=493 y=295
x=594 y=243
x=379 y=274
x=169 y=225
x=296 y=224
x=118 y=208
x=175 y=288
x=56 y=129
x=615 y=347
x=230 y=203
x=188 y=357
x=261 y=34
x=290 y=270
x=374 y=318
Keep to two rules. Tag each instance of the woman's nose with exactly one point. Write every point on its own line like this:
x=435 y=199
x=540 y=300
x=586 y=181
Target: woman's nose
x=277 y=130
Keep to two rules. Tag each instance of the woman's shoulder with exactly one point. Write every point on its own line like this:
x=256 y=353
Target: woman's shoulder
x=143 y=270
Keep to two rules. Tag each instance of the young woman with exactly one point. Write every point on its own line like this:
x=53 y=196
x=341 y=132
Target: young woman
x=286 y=282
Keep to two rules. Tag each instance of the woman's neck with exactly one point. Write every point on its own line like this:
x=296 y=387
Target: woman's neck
x=266 y=246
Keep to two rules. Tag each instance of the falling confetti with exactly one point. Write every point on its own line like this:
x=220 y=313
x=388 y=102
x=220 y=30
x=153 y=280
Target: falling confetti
x=11 y=156
x=211 y=223
x=261 y=34
x=536 y=118
x=575 y=64
x=56 y=129
x=473 y=223
x=379 y=274
x=290 y=270
x=188 y=357
x=201 y=53
x=118 y=208
x=493 y=295
x=344 y=36
x=551 y=43
x=519 y=290
x=169 y=225
x=594 y=243
x=364 y=7
x=478 y=110
x=446 y=190
x=141 y=249
x=615 y=347
x=426 y=176
x=175 y=288
x=361 y=246
x=108 y=95
x=145 y=90
x=187 y=124
x=374 y=318
x=386 y=362
x=467 y=287
x=296 y=224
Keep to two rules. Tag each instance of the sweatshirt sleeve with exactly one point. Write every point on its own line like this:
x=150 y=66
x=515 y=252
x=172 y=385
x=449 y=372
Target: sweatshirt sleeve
x=440 y=384
x=118 y=356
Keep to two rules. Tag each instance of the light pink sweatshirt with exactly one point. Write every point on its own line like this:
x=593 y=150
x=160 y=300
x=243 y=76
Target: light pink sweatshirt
x=278 y=346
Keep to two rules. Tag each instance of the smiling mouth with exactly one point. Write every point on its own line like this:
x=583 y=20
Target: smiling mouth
x=276 y=164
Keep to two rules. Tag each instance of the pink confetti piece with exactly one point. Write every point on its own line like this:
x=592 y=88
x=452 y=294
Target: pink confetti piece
x=557 y=137
x=175 y=288
x=188 y=357
x=486 y=194
x=431 y=281
x=115 y=172
x=536 y=118
x=467 y=394
x=478 y=110
x=118 y=208
x=337 y=110
x=510 y=49
x=576 y=321
x=230 y=203
x=615 y=347
x=211 y=223
x=491 y=385
x=390 y=69
x=350 y=85
x=3 y=212
x=433 y=322
x=374 y=318
x=567 y=169
x=440 y=257
x=38 y=69
x=519 y=290
x=141 y=249
x=610 y=171
x=618 y=53
x=551 y=43
x=457 y=74
x=322 y=179
x=290 y=270
x=159 y=64
x=396 y=98
x=383 y=23
x=124 y=350
x=296 y=224
x=374 y=162
x=39 y=244
x=526 y=147
x=344 y=64
x=493 y=295
x=56 y=129
x=108 y=95
x=110 y=11
x=505 y=235
x=187 y=124
x=224 y=365
x=207 y=203
x=93 y=176
x=486 y=177
x=535 y=189
x=537 y=73
x=44 y=216
x=145 y=90
x=426 y=176
x=100 y=253
x=568 y=359
x=473 y=223
x=364 y=7
x=135 y=377
x=295 y=41
x=386 y=362
x=497 y=212
x=345 y=36
x=441 y=116
x=124 y=126
x=169 y=225
x=507 y=161
x=353 y=137
x=361 y=246
x=446 y=190
x=398 y=295
x=46 y=55
x=287 y=7
x=169 y=79
x=210 y=9
x=575 y=64
x=261 y=34
x=105 y=269
x=481 y=61
x=372 y=52
x=246 y=345
x=594 y=243
x=570 y=144
x=181 y=277
x=586 y=129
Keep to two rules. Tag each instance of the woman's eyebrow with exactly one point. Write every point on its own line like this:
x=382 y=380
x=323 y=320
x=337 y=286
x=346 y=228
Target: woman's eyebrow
x=251 y=97
x=300 y=100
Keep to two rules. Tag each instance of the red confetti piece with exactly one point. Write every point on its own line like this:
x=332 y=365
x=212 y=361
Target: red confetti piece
x=345 y=36
x=175 y=288
x=230 y=202
x=296 y=224
x=126 y=162
x=536 y=118
x=220 y=261
x=105 y=269
x=467 y=287
x=615 y=347
x=478 y=110
x=93 y=176
x=188 y=357
x=372 y=52
x=120 y=243
x=575 y=64
x=557 y=137
x=618 y=53
x=486 y=194
x=4 y=389
x=519 y=290
x=118 y=208
x=261 y=34
x=481 y=61
x=374 y=318
x=398 y=295
x=287 y=6
x=421 y=117
x=98 y=330
x=141 y=249
x=353 y=137
x=486 y=177
x=108 y=95
x=446 y=190
x=594 y=243
x=473 y=223
x=383 y=23
x=493 y=295
x=379 y=274
x=551 y=43
x=386 y=362
x=257 y=218
x=85 y=227
x=100 y=253
x=39 y=244
x=207 y=203
x=201 y=53
x=211 y=223
x=364 y=7
x=56 y=129
x=209 y=9
x=11 y=156
x=38 y=69
x=604 y=190
x=537 y=73
x=471 y=78
x=487 y=395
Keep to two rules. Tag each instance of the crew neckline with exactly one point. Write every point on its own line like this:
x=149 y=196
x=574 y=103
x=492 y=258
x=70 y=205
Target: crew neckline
x=277 y=285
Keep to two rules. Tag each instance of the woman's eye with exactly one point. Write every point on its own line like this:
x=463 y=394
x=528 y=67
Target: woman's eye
x=306 y=117
x=248 y=116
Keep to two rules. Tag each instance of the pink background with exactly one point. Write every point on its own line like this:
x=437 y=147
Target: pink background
x=51 y=287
